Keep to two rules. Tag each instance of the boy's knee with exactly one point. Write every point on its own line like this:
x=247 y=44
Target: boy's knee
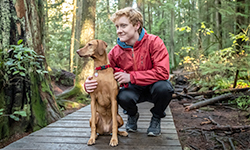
x=162 y=87
x=124 y=97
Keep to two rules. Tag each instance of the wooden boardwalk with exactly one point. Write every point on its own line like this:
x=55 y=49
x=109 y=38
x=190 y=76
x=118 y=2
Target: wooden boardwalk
x=72 y=133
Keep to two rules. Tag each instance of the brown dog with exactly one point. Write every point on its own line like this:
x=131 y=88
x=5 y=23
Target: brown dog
x=104 y=108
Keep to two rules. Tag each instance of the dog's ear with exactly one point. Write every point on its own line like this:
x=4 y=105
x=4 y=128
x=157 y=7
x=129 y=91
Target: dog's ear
x=101 y=48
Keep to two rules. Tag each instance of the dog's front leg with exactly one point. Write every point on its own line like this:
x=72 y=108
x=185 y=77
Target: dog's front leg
x=114 y=107
x=93 y=120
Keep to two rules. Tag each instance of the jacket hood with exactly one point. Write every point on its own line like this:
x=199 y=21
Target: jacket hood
x=124 y=45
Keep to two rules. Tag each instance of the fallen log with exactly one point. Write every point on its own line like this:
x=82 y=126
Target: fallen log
x=211 y=92
x=209 y=101
x=230 y=128
x=194 y=89
x=184 y=95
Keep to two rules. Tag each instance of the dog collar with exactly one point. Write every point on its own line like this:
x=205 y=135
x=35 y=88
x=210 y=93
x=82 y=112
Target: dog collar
x=101 y=68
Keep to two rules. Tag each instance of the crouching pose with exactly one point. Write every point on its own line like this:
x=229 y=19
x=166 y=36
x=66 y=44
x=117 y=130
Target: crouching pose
x=141 y=64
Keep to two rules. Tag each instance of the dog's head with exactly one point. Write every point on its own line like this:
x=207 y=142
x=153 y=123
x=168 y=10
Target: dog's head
x=92 y=49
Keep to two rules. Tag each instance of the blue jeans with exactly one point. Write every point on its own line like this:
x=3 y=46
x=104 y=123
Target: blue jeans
x=159 y=93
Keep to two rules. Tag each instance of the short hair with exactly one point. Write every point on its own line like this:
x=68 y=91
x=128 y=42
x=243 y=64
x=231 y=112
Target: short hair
x=133 y=16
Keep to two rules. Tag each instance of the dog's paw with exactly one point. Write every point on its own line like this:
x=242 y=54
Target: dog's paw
x=123 y=133
x=113 y=142
x=91 y=141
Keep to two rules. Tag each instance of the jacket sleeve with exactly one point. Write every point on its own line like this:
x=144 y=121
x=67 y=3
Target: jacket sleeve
x=111 y=59
x=160 y=65
x=116 y=69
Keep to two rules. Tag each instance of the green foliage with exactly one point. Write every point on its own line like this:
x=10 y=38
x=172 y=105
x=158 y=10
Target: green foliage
x=218 y=69
x=1 y=111
x=243 y=102
x=58 y=37
x=13 y=116
x=19 y=60
x=105 y=29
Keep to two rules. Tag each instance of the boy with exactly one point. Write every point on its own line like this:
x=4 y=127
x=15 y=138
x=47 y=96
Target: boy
x=141 y=64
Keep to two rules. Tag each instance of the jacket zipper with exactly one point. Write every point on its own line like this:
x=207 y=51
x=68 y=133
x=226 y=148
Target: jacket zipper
x=133 y=56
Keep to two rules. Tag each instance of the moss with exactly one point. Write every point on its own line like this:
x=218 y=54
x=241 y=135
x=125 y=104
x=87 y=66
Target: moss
x=37 y=105
x=71 y=93
x=80 y=98
x=4 y=128
x=5 y=23
x=4 y=121
x=46 y=88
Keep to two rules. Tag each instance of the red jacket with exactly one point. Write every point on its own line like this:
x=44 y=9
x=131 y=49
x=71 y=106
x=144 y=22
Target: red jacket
x=147 y=62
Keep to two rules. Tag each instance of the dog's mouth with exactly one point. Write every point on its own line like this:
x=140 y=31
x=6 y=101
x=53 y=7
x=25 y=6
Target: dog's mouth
x=85 y=56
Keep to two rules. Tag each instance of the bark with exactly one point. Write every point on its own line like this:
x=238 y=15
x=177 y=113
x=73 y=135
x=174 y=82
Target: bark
x=218 y=23
x=110 y=26
x=71 y=52
x=84 y=32
x=230 y=128
x=141 y=8
x=172 y=36
x=236 y=78
x=31 y=93
x=209 y=101
x=200 y=43
x=240 y=22
x=210 y=93
x=149 y=17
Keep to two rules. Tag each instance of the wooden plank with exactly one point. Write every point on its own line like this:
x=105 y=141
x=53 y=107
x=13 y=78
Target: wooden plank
x=84 y=134
x=102 y=140
x=86 y=124
x=60 y=129
x=72 y=132
x=64 y=146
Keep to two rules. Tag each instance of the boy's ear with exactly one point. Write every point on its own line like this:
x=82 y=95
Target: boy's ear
x=138 y=25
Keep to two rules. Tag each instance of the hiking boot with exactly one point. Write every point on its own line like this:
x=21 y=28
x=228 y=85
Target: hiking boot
x=131 y=125
x=154 y=128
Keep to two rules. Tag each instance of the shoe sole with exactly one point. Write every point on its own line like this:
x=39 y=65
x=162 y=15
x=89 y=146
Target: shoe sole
x=152 y=134
x=131 y=130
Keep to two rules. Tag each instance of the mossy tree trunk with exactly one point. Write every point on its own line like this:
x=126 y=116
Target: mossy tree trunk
x=31 y=92
x=84 y=32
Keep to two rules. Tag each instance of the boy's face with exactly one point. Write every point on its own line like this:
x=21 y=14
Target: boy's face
x=126 y=31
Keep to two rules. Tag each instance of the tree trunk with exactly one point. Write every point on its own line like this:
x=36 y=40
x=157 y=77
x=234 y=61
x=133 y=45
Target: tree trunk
x=240 y=21
x=218 y=23
x=109 y=25
x=141 y=7
x=172 y=36
x=149 y=16
x=86 y=28
x=84 y=32
x=71 y=51
x=124 y=3
x=199 y=15
x=30 y=92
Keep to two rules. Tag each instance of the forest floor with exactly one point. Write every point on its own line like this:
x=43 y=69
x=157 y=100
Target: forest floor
x=195 y=127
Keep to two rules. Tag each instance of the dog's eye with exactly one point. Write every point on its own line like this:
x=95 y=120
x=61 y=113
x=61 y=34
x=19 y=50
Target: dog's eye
x=90 y=44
